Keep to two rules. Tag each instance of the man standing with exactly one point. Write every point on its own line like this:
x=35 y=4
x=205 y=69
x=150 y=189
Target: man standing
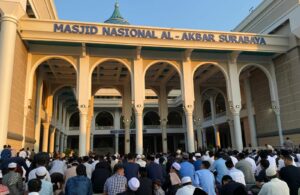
x=291 y=175
x=246 y=168
x=13 y=180
x=117 y=182
x=197 y=163
x=154 y=170
x=220 y=167
x=275 y=186
x=187 y=168
x=288 y=144
x=47 y=187
x=131 y=168
x=205 y=179
x=237 y=175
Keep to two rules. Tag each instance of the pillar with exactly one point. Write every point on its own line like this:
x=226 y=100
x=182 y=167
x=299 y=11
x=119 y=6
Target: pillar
x=82 y=133
x=250 y=113
x=61 y=145
x=92 y=142
x=46 y=127
x=235 y=102
x=57 y=136
x=163 y=112
x=276 y=110
x=188 y=98
x=117 y=128
x=126 y=112
x=52 y=139
x=217 y=136
x=11 y=12
x=198 y=113
x=37 y=126
x=138 y=99
x=204 y=138
x=65 y=142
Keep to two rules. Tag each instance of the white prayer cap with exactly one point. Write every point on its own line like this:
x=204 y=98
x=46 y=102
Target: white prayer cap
x=271 y=171
x=176 y=166
x=12 y=165
x=41 y=171
x=186 y=180
x=178 y=151
x=138 y=156
x=1 y=174
x=134 y=184
x=197 y=155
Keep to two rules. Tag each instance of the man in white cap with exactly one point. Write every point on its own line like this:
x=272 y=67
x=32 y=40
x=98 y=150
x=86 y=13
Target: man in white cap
x=47 y=188
x=198 y=161
x=187 y=188
x=140 y=161
x=133 y=186
x=275 y=186
x=13 y=180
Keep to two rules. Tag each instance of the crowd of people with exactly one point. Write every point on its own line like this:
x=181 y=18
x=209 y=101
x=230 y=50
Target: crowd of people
x=217 y=172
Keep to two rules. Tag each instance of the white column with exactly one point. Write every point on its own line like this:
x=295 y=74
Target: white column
x=117 y=127
x=232 y=135
x=82 y=133
x=235 y=103
x=276 y=110
x=251 y=120
x=12 y=11
x=138 y=99
x=45 y=136
x=127 y=135
x=187 y=85
x=65 y=142
x=52 y=139
x=163 y=112
x=204 y=137
x=139 y=130
x=62 y=142
x=198 y=113
x=57 y=136
x=92 y=142
x=37 y=127
x=126 y=112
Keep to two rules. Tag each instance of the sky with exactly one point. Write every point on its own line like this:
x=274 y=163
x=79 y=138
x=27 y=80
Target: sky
x=222 y=15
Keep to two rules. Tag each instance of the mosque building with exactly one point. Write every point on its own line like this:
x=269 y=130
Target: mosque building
x=116 y=87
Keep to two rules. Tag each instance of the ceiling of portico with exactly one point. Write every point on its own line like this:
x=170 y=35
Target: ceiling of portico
x=209 y=76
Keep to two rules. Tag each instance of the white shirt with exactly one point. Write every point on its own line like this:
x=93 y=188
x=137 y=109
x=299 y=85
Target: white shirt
x=237 y=175
x=185 y=190
x=23 y=154
x=58 y=166
x=89 y=169
x=33 y=176
x=272 y=161
x=234 y=160
x=141 y=162
x=94 y=164
x=281 y=163
x=252 y=162
x=275 y=187
x=33 y=193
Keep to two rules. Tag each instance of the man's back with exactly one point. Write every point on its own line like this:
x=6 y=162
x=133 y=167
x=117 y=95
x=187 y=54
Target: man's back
x=154 y=171
x=246 y=168
x=220 y=167
x=79 y=185
x=275 y=187
x=291 y=175
x=131 y=170
x=206 y=180
x=233 y=188
x=187 y=169
x=115 y=184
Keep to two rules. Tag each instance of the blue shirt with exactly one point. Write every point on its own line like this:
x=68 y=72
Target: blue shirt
x=131 y=170
x=79 y=185
x=197 y=164
x=205 y=179
x=187 y=169
x=220 y=167
x=155 y=172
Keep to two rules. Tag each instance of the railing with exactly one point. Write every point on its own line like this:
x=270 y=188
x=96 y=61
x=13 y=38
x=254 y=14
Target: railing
x=208 y=118
x=104 y=127
x=221 y=114
x=74 y=128
x=151 y=126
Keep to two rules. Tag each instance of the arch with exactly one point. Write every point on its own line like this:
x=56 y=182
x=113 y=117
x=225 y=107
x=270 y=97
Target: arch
x=39 y=62
x=220 y=104
x=162 y=61
x=60 y=87
x=268 y=75
x=104 y=119
x=116 y=88
x=223 y=70
x=206 y=109
x=151 y=118
x=101 y=61
x=74 y=120
x=174 y=118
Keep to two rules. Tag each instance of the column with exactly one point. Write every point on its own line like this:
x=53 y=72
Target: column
x=198 y=113
x=57 y=136
x=65 y=142
x=92 y=142
x=232 y=135
x=188 y=98
x=62 y=141
x=217 y=136
x=12 y=11
x=138 y=99
x=155 y=143
x=126 y=112
x=235 y=102
x=163 y=112
x=250 y=113
x=82 y=133
x=46 y=127
x=52 y=139
x=37 y=126
x=117 y=128
x=139 y=128
x=204 y=138
x=213 y=116
x=276 y=110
